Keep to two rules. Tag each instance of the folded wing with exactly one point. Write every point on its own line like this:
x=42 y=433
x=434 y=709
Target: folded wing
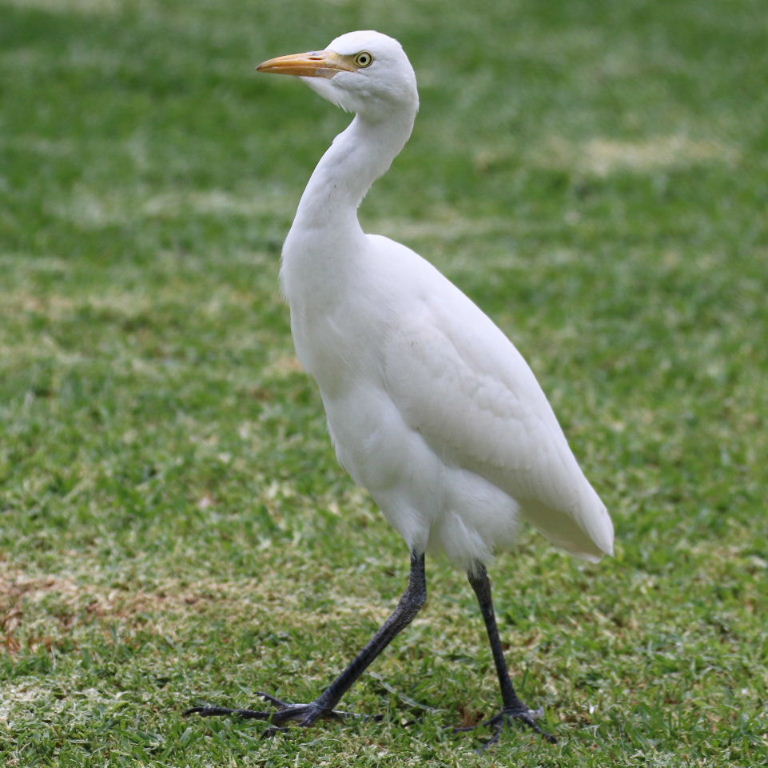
x=465 y=388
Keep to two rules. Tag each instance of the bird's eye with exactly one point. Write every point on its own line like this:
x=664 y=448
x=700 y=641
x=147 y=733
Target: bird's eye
x=363 y=59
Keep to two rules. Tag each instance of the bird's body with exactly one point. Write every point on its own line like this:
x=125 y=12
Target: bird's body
x=430 y=406
x=434 y=411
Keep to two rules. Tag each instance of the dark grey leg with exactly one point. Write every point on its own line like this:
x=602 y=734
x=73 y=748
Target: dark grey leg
x=410 y=603
x=513 y=708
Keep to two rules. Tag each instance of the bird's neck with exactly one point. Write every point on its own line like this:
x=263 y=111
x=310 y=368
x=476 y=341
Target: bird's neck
x=356 y=158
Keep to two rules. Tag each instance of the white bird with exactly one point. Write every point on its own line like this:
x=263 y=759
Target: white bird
x=430 y=406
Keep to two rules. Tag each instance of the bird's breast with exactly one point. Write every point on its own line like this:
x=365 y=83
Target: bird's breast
x=345 y=304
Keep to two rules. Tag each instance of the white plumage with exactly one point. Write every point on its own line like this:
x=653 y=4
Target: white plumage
x=430 y=406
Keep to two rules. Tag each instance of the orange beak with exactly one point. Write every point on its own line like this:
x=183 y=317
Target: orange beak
x=311 y=64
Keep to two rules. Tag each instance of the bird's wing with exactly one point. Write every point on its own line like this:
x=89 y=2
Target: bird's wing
x=465 y=388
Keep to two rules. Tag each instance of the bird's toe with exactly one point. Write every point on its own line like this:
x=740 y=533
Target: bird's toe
x=507 y=715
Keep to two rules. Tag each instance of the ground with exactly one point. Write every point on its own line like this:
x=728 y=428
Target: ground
x=174 y=528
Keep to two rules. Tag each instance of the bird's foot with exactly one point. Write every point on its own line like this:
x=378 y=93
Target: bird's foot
x=286 y=712
x=498 y=722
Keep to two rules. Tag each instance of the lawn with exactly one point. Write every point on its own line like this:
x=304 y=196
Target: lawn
x=174 y=527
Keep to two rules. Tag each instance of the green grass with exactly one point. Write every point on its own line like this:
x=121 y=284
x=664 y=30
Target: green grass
x=174 y=527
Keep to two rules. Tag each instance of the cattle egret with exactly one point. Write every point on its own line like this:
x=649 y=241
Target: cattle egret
x=429 y=405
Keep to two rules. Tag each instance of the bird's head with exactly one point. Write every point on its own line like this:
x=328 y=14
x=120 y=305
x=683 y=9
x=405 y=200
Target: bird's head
x=363 y=72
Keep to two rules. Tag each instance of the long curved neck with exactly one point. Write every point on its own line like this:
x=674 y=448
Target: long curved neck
x=356 y=158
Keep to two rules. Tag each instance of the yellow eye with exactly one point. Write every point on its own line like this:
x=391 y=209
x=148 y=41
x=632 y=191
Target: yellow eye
x=363 y=59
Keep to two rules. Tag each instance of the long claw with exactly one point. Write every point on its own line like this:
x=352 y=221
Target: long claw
x=531 y=721
x=495 y=739
x=274 y=700
x=286 y=712
x=500 y=721
x=246 y=714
